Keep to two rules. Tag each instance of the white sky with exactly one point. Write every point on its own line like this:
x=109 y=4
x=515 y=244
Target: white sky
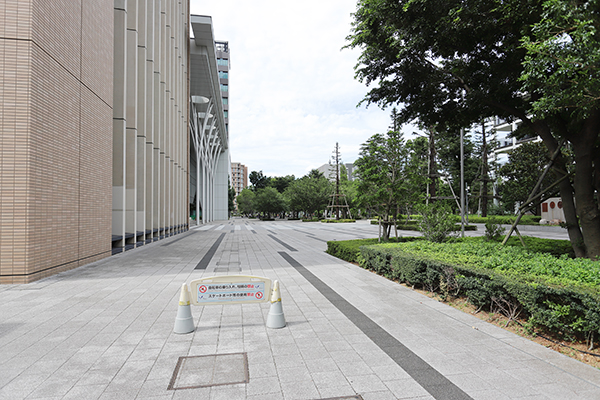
x=292 y=91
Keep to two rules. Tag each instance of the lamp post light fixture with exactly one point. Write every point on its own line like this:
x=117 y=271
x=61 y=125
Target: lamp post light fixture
x=198 y=101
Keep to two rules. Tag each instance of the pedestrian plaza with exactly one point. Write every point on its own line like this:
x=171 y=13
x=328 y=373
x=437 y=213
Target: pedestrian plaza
x=105 y=330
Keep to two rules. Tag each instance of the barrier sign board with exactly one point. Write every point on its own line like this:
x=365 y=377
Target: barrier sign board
x=230 y=289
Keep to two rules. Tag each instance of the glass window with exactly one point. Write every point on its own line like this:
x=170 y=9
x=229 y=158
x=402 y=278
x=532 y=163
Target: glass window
x=223 y=75
x=226 y=113
x=224 y=88
x=225 y=101
x=222 y=61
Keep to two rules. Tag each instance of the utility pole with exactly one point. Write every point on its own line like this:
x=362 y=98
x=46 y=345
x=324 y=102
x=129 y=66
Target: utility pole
x=462 y=184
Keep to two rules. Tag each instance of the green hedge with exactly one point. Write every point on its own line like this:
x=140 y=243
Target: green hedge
x=413 y=226
x=476 y=219
x=506 y=219
x=337 y=221
x=348 y=250
x=554 y=247
x=560 y=295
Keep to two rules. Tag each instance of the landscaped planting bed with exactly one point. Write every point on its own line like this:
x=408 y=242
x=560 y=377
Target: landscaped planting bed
x=556 y=296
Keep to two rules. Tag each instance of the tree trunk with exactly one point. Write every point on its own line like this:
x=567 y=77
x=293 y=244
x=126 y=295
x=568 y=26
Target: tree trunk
x=589 y=218
x=566 y=190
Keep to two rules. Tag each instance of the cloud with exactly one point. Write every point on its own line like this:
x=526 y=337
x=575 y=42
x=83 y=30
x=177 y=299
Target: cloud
x=292 y=89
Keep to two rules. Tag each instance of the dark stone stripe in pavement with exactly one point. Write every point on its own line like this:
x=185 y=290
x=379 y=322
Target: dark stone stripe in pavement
x=210 y=253
x=287 y=246
x=431 y=380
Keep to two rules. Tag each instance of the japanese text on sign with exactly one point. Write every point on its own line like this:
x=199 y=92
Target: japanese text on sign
x=222 y=292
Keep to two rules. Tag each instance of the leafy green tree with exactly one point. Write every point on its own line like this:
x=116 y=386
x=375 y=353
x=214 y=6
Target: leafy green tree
x=562 y=75
x=231 y=198
x=417 y=170
x=448 y=148
x=281 y=182
x=481 y=185
x=459 y=61
x=522 y=171
x=348 y=189
x=309 y=194
x=258 y=180
x=381 y=169
x=245 y=202
x=269 y=201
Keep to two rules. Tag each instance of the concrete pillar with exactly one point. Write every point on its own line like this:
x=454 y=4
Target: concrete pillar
x=119 y=121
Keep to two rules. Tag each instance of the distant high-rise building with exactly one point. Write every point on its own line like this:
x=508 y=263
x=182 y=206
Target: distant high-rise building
x=239 y=177
x=223 y=69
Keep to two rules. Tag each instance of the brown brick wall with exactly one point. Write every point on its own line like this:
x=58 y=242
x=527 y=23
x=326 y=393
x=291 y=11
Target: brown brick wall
x=56 y=136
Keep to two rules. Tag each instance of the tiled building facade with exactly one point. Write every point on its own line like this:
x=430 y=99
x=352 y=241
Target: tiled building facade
x=94 y=142
x=56 y=135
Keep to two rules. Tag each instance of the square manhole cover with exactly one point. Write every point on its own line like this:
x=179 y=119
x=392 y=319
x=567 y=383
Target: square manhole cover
x=211 y=370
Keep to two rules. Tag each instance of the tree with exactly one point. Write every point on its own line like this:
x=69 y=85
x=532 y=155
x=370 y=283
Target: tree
x=309 y=193
x=417 y=168
x=258 y=180
x=522 y=171
x=269 y=201
x=348 y=189
x=281 y=182
x=485 y=148
x=381 y=170
x=562 y=75
x=245 y=202
x=459 y=61
x=231 y=198
x=448 y=149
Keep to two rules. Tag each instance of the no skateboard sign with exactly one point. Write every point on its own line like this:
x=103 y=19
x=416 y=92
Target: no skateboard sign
x=230 y=289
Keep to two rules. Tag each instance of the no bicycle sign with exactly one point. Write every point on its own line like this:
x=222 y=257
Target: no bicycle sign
x=228 y=289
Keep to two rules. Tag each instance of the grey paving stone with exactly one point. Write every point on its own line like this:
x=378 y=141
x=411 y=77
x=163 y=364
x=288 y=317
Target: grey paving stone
x=117 y=341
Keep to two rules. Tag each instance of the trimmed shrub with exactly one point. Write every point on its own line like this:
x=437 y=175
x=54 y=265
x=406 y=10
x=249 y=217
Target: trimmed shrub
x=506 y=219
x=436 y=222
x=493 y=230
x=559 y=295
x=348 y=250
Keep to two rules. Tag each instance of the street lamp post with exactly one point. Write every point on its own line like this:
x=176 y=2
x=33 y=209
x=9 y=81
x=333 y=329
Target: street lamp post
x=198 y=101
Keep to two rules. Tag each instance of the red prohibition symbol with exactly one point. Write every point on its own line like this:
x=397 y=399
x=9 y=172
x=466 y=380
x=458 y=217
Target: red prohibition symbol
x=202 y=289
x=259 y=295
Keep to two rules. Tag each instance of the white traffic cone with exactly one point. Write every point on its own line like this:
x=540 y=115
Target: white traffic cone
x=275 y=318
x=184 y=323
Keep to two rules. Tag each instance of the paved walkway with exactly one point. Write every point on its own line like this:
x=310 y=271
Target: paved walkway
x=105 y=331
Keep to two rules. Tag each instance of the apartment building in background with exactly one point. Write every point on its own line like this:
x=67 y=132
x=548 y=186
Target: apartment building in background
x=239 y=177
x=95 y=130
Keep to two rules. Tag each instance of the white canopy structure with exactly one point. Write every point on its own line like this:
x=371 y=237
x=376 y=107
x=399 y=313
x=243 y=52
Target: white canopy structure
x=208 y=128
